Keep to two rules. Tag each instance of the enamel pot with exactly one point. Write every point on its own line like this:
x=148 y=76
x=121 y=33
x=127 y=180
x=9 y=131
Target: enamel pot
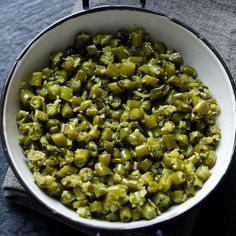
x=196 y=51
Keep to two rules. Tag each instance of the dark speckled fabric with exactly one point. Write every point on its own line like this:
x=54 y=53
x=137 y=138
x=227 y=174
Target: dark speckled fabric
x=21 y=20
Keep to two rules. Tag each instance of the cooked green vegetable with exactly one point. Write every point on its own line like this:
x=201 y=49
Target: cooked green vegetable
x=117 y=127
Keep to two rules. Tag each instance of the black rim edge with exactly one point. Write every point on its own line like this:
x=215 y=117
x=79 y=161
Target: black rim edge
x=85 y=12
x=61 y=21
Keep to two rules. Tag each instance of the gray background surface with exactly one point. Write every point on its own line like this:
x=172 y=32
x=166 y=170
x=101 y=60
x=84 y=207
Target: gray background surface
x=21 y=20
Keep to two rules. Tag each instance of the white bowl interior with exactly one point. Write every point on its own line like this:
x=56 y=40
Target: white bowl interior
x=195 y=53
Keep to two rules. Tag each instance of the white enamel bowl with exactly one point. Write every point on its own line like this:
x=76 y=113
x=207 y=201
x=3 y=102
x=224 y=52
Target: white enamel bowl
x=195 y=50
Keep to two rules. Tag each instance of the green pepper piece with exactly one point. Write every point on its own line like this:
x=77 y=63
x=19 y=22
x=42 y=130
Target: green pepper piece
x=25 y=96
x=160 y=47
x=36 y=79
x=60 y=139
x=81 y=40
x=81 y=157
x=127 y=69
x=102 y=170
x=120 y=53
x=137 y=38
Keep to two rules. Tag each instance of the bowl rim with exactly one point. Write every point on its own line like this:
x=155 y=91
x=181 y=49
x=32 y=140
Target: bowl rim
x=85 y=12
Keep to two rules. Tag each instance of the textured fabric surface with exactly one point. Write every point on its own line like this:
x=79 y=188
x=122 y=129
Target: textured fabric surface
x=21 y=20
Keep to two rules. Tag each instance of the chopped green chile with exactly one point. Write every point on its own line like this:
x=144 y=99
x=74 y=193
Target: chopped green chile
x=141 y=151
x=81 y=157
x=120 y=53
x=149 y=211
x=125 y=214
x=118 y=127
x=137 y=114
x=60 y=140
x=25 y=97
x=36 y=79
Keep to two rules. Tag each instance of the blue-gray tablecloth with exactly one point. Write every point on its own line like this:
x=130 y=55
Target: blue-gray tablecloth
x=21 y=20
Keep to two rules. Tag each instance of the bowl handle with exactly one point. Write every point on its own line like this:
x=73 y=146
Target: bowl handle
x=85 y=4
x=157 y=233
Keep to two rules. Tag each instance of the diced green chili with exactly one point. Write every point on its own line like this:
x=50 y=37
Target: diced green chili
x=81 y=157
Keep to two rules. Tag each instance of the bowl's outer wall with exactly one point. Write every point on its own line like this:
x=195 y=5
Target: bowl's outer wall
x=195 y=52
